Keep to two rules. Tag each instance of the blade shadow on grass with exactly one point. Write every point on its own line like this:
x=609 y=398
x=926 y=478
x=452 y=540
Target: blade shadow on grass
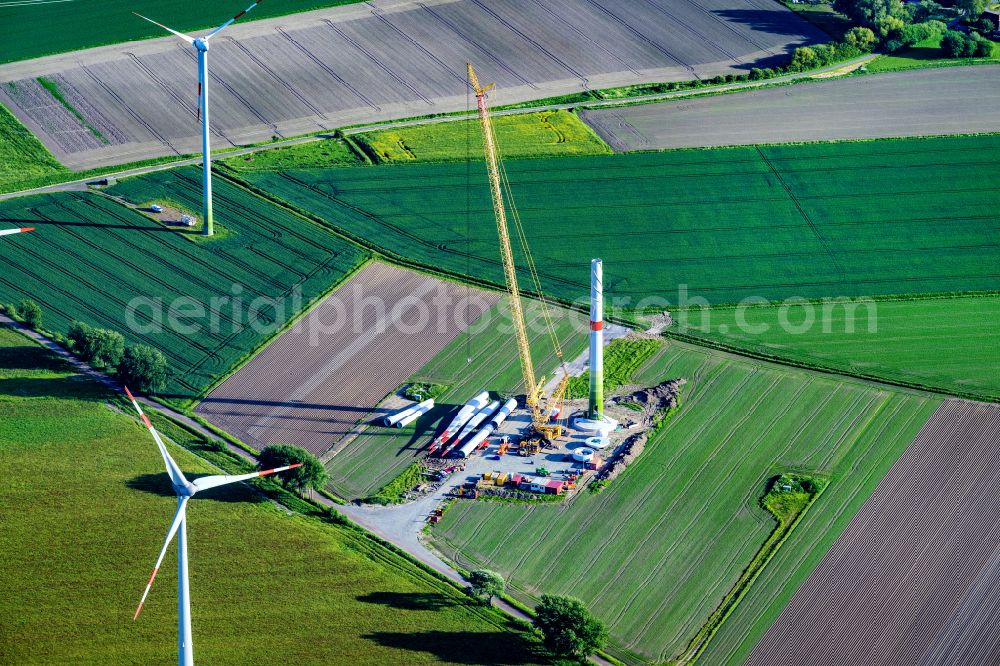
x=465 y=647
x=413 y=600
x=98 y=225
x=159 y=484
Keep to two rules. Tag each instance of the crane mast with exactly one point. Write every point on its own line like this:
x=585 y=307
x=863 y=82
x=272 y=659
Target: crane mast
x=533 y=388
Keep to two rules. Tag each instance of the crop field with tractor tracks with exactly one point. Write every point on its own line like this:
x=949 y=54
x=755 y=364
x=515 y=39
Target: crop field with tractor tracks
x=657 y=550
x=92 y=257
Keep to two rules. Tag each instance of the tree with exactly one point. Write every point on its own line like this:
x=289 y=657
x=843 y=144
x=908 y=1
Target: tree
x=924 y=10
x=568 y=628
x=861 y=38
x=869 y=12
x=312 y=475
x=804 y=58
x=30 y=313
x=143 y=368
x=486 y=583
x=972 y=8
x=107 y=348
x=98 y=346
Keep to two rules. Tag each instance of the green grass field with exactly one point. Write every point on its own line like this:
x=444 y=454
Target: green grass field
x=946 y=344
x=23 y=158
x=41 y=28
x=817 y=220
x=543 y=134
x=91 y=258
x=320 y=154
x=657 y=551
x=924 y=54
x=380 y=454
x=86 y=506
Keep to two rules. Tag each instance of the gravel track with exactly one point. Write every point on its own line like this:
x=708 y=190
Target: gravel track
x=313 y=395
x=397 y=58
x=913 y=579
x=895 y=104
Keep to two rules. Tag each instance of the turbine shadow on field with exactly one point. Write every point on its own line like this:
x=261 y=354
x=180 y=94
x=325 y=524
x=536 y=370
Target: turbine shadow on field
x=431 y=601
x=98 y=225
x=72 y=386
x=298 y=404
x=159 y=484
x=464 y=647
x=31 y=357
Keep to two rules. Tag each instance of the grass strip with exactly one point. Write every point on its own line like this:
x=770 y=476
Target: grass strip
x=788 y=499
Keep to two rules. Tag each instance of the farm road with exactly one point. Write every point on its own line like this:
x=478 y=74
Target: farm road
x=380 y=60
x=923 y=102
x=915 y=577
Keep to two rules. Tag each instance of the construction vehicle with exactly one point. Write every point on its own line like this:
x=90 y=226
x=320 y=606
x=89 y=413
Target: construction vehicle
x=504 y=446
x=541 y=406
x=530 y=447
x=542 y=471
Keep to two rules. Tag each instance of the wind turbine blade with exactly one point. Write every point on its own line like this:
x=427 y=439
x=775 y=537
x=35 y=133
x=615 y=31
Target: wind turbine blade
x=206 y=482
x=176 y=476
x=6 y=232
x=199 y=101
x=238 y=16
x=174 y=525
x=189 y=40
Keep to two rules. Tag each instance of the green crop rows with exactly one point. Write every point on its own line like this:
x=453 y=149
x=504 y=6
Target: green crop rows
x=622 y=358
x=40 y=28
x=91 y=258
x=85 y=507
x=812 y=221
x=483 y=358
x=655 y=554
x=946 y=344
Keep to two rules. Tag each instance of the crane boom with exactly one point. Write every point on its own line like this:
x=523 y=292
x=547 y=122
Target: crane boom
x=533 y=387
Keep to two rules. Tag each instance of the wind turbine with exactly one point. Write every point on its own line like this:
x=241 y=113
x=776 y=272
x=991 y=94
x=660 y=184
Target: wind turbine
x=201 y=44
x=7 y=232
x=178 y=526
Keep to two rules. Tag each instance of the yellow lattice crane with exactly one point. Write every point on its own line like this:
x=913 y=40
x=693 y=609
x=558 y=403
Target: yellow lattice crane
x=542 y=407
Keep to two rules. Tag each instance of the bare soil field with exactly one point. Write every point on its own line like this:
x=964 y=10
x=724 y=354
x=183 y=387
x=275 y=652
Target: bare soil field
x=322 y=379
x=913 y=103
x=390 y=59
x=915 y=577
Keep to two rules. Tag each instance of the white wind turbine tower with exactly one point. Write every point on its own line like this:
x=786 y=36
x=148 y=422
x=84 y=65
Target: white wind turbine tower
x=201 y=44
x=7 y=232
x=185 y=490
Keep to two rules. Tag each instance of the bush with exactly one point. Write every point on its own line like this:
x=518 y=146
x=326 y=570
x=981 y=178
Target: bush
x=959 y=45
x=30 y=313
x=861 y=38
x=312 y=474
x=143 y=368
x=568 y=628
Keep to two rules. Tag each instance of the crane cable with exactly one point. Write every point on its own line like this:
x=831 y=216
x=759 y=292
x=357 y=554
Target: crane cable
x=529 y=259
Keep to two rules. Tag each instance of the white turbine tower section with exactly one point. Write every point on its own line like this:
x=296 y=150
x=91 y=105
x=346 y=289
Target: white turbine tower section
x=185 y=490
x=8 y=232
x=201 y=44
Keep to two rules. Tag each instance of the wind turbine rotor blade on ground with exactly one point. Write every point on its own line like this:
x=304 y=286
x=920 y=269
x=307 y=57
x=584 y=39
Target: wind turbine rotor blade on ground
x=176 y=476
x=235 y=18
x=174 y=525
x=186 y=38
x=22 y=230
x=206 y=482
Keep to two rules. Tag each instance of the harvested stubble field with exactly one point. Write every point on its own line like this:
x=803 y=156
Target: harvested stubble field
x=914 y=577
x=818 y=220
x=484 y=357
x=85 y=510
x=922 y=102
x=657 y=551
x=92 y=257
x=322 y=380
x=394 y=59
x=945 y=344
